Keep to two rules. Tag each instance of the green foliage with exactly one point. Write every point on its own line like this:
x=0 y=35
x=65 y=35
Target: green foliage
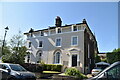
x=52 y=67
x=17 y=57
x=113 y=56
x=116 y=50
x=18 y=50
x=97 y=59
x=17 y=40
x=32 y=67
x=75 y=72
x=6 y=50
x=104 y=60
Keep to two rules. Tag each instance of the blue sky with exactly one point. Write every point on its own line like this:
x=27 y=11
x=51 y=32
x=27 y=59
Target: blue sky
x=102 y=18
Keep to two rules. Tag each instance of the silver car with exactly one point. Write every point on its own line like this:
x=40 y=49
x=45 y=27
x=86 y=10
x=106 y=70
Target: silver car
x=15 y=72
x=110 y=73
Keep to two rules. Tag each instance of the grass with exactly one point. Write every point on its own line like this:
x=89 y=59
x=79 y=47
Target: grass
x=51 y=72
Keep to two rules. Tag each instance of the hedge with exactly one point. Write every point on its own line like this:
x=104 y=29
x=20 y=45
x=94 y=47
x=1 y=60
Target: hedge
x=42 y=67
x=52 y=67
x=32 y=67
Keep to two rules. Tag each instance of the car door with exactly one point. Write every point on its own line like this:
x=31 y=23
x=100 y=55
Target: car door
x=114 y=73
x=4 y=71
x=1 y=72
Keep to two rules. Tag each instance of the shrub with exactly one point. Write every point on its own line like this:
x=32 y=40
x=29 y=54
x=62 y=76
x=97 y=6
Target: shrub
x=52 y=67
x=74 y=72
x=32 y=67
x=97 y=59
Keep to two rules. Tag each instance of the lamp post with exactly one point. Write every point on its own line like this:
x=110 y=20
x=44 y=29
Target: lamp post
x=4 y=39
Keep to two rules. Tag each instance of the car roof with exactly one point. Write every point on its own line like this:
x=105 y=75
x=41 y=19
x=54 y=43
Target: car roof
x=116 y=63
x=112 y=65
x=9 y=64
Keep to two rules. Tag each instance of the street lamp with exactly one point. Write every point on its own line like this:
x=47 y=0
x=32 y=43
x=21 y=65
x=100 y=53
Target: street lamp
x=4 y=39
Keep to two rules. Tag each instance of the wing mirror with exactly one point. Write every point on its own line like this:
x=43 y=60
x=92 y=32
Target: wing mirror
x=8 y=69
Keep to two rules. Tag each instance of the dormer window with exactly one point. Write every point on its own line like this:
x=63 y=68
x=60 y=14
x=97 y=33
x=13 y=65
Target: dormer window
x=59 y=30
x=75 y=28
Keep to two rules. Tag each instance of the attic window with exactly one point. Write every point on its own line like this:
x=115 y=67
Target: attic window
x=75 y=28
x=59 y=30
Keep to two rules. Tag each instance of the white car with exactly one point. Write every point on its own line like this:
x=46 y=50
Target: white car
x=95 y=71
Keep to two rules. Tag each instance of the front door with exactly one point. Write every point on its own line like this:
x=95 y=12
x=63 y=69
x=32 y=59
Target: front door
x=74 y=60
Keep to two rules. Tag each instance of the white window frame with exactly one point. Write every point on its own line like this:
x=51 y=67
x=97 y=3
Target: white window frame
x=56 y=42
x=39 y=43
x=73 y=28
x=55 y=58
x=57 y=30
x=39 y=55
x=72 y=41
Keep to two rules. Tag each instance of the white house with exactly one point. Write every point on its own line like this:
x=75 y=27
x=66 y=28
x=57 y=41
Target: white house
x=71 y=45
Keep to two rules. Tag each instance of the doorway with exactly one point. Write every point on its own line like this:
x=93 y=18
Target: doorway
x=74 y=60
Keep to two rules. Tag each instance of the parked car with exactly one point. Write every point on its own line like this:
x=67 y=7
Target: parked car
x=96 y=70
x=15 y=72
x=99 y=67
x=110 y=73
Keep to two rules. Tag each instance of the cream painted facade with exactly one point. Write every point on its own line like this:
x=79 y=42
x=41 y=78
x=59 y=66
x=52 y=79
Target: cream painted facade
x=66 y=54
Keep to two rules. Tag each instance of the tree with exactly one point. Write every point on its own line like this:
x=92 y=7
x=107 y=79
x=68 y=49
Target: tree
x=113 y=56
x=97 y=59
x=18 y=56
x=17 y=40
x=18 y=50
x=6 y=50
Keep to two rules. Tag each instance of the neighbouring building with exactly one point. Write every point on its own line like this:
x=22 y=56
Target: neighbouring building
x=102 y=55
x=71 y=45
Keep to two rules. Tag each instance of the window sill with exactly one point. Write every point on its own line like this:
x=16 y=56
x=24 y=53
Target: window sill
x=74 y=45
x=39 y=47
x=57 y=63
x=58 y=46
x=29 y=48
x=75 y=31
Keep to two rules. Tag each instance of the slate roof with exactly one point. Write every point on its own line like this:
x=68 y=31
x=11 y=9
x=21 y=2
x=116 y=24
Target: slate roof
x=53 y=27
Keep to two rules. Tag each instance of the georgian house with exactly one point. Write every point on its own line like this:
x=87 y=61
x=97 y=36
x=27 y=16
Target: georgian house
x=71 y=45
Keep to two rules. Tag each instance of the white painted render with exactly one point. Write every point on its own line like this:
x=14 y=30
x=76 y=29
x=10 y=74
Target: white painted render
x=49 y=48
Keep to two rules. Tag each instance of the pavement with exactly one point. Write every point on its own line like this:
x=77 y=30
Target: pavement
x=88 y=75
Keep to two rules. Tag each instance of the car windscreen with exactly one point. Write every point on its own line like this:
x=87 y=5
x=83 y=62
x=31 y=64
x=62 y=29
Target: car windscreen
x=17 y=68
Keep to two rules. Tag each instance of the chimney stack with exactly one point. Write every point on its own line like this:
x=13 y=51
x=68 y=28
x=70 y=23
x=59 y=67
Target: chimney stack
x=84 y=21
x=58 y=22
